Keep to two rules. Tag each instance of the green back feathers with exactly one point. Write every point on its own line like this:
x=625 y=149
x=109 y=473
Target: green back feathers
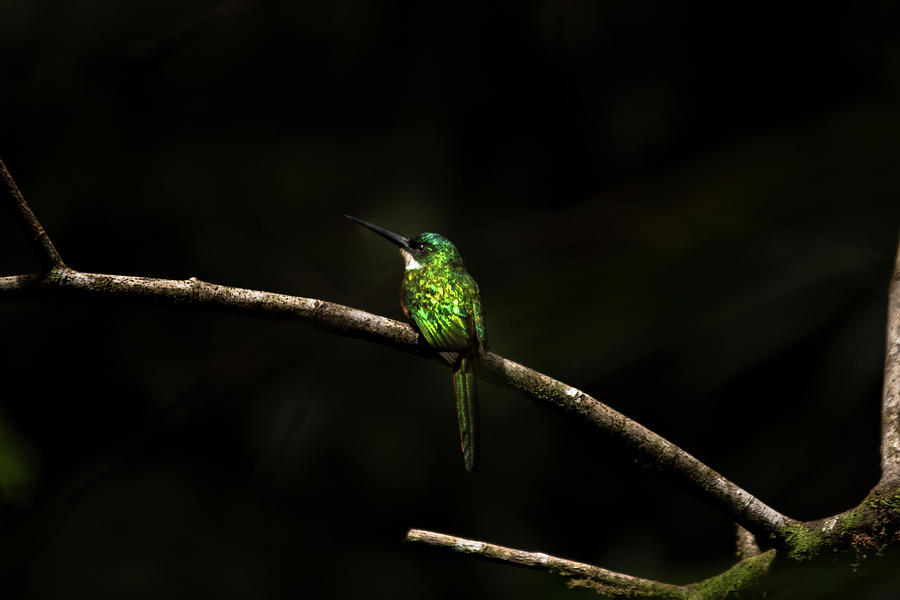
x=446 y=305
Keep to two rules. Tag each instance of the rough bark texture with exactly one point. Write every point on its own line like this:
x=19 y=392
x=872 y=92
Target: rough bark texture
x=890 y=412
x=741 y=581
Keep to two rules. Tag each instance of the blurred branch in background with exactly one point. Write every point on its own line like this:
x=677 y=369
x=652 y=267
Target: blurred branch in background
x=158 y=47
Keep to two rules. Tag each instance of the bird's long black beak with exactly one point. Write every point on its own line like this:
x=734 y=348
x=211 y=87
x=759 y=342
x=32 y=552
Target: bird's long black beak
x=388 y=235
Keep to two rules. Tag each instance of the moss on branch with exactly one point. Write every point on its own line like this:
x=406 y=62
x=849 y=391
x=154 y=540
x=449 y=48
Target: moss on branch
x=743 y=580
x=865 y=530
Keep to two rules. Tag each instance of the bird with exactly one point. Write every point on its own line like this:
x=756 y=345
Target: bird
x=441 y=298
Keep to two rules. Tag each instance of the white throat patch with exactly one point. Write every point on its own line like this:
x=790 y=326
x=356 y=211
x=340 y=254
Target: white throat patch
x=411 y=263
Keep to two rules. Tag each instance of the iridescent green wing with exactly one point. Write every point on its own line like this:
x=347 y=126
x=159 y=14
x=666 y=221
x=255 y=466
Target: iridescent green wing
x=441 y=307
x=478 y=313
x=445 y=326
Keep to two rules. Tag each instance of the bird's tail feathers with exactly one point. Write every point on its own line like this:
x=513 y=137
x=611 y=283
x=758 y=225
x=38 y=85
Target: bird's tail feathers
x=466 y=389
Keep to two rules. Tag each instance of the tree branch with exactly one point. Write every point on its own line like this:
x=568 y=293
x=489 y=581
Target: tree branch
x=743 y=507
x=741 y=579
x=872 y=524
x=329 y=316
x=890 y=406
x=652 y=448
x=38 y=238
x=609 y=583
x=660 y=453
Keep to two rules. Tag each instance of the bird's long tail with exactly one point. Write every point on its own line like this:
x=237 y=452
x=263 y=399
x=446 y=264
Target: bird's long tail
x=467 y=410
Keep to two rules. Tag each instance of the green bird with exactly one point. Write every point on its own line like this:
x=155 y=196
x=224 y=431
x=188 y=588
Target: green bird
x=443 y=300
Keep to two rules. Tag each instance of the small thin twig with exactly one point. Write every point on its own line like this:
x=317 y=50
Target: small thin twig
x=611 y=583
x=39 y=239
x=890 y=406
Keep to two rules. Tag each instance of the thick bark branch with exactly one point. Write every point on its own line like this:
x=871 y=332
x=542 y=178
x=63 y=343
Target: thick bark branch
x=38 y=238
x=890 y=407
x=610 y=583
x=650 y=447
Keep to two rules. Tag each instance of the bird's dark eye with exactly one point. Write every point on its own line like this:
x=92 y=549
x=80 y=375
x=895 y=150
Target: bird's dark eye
x=419 y=246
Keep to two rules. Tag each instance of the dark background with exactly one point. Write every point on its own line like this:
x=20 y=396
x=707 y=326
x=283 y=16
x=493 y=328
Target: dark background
x=689 y=212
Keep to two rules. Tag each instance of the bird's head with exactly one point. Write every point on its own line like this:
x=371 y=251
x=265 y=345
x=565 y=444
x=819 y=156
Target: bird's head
x=424 y=249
